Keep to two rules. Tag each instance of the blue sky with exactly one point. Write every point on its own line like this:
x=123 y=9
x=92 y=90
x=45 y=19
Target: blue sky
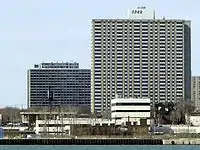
x=34 y=31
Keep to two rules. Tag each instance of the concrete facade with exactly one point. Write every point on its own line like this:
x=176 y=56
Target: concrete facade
x=195 y=93
x=131 y=109
x=140 y=58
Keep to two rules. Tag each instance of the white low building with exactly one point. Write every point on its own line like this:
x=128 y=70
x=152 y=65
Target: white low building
x=193 y=120
x=64 y=125
x=131 y=109
x=183 y=128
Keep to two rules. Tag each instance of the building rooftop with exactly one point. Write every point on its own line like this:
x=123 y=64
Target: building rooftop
x=47 y=113
x=57 y=65
x=132 y=20
x=141 y=13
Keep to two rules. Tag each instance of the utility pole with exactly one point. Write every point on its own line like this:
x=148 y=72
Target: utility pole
x=48 y=117
x=61 y=119
x=188 y=120
x=58 y=118
x=50 y=97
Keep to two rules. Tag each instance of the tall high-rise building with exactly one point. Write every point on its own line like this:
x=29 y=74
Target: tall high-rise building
x=195 y=93
x=70 y=85
x=140 y=57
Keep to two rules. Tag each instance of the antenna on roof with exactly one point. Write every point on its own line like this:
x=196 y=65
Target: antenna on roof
x=154 y=15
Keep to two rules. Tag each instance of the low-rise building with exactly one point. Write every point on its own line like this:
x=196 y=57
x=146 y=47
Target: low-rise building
x=70 y=123
x=31 y=117
x=87 y=126
x=65 y=125
x=135 y=110
x=193 y=119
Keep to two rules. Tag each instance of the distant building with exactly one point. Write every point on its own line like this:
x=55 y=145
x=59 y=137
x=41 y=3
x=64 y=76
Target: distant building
x=131 y=109
x=70 y=85
x=195 y=94
x=141 y=56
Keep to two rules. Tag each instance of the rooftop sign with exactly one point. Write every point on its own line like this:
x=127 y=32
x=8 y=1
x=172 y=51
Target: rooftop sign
x=140 y=13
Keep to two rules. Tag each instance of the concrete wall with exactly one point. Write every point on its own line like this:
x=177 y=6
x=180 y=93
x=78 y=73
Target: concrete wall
x=184 y=128
x=184 y=141
x=194 y=120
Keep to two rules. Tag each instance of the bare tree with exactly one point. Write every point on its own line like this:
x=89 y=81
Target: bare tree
x=181 y=109
x=10 y=114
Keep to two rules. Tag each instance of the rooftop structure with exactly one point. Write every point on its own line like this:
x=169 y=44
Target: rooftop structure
x=52 y=65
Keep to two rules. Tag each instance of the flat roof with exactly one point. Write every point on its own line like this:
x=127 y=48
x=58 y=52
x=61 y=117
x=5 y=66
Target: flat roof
x=45 y=113
x=157 y=19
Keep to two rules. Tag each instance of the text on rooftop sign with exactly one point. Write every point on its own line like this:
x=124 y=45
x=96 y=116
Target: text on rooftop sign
x=137 y=11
